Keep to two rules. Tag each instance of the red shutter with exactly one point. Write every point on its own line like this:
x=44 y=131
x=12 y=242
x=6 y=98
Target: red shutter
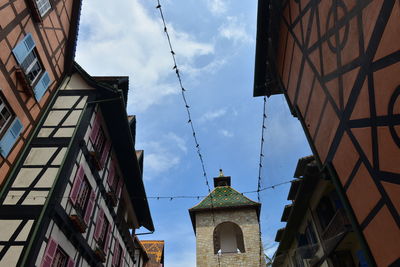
x=71 y=263
x=119 y=188
x=107 y=238
x=95 y=127
x=73 y=196
x=99 y=224
x=116 y=249
x=106 y=151
x=122 y=261
x=89 y=207
x=111 y=175
x=49 y=253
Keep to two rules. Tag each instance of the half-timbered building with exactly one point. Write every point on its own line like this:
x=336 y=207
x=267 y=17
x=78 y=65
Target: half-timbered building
x=338 y=62
x=76 y=195
x=37 y=46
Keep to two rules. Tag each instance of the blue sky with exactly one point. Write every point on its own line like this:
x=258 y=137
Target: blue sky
x=214 y=41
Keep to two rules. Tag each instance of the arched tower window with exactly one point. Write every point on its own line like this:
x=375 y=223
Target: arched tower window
x=228 y=238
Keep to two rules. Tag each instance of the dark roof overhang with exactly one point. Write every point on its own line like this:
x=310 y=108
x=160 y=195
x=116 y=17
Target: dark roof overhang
x=309 y=182
x=266 y=81
x=72 y=36
x=286 y=212
x=115 y=117
x=279 y=234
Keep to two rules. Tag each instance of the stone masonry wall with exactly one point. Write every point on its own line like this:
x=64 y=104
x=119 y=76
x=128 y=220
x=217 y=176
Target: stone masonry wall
x=247 y=221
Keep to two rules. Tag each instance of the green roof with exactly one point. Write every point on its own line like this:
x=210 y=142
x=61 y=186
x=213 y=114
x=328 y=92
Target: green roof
x=224 y=197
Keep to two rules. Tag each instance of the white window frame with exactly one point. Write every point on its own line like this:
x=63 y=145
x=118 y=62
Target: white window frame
x=29 y=62
x=43 y=6
x=3 y=105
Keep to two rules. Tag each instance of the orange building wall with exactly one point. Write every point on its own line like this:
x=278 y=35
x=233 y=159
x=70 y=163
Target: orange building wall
x=339 y=62
x=50 y=36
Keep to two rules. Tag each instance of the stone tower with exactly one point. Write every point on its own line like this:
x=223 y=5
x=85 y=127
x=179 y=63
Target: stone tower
x=226 y=224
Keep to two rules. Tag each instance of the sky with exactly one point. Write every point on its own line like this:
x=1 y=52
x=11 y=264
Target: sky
x=214 y=42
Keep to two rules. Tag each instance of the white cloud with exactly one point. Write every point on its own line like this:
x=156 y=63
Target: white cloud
x=212 y=115
x=235 y=30
x=180 y=142
x=124 y=39
x=226 y=133
x=217 y=7
x=160 y=161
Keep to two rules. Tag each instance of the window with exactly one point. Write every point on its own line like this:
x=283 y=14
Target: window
x=103 y=234
x=60 y=259
x=102 y=231
x=100 y=141
x=116 y=262
x=83 y=196
x=32 y=69
x=228 y=238
x=311 y=238
x=55 y=256
x=31 y=66
x=325 y=211
x=43 y=6
x=5 y=115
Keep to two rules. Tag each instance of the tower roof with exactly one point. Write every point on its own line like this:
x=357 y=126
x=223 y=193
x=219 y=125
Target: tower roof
x=223 y=197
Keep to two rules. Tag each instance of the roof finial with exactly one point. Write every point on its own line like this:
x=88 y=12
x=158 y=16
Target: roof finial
x=221 y=173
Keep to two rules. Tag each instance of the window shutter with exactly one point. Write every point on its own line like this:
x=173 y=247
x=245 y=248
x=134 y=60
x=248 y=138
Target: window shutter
x=116 y=252
x=49 y=253
x=122 y=261
x=105 y=153
x=99 y=224
x=89 y=207
x=95 y=127
x=119 y=188
x=42 y=86
x=73 y=196
x=111 y=175
x=71 y=263
x=23 y=48
x=9 y=138
x=107 y=239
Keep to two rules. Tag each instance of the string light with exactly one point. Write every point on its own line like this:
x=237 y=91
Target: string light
x=260 y=167
x=171 y=197
x=190 y=120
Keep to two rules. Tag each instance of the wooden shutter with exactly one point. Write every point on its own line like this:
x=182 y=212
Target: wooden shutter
x=99 y=224
x=122 y=261
x=95 y=127
x=42 y=86
x=111 y=174
x=8 y=140
x=73 y=196
x=116 y=254
x=119 y=188
x=49 y=253
x=89 y=207
x=71 y=263
x=107 y=238
x=23 y=48
x=106 y=151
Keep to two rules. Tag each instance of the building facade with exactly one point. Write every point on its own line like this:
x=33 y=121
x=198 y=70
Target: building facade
x=155 y=252
x=77 y=195
x=318 y=231
x=337 y=63
x=227 y=228
x=37 y=44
